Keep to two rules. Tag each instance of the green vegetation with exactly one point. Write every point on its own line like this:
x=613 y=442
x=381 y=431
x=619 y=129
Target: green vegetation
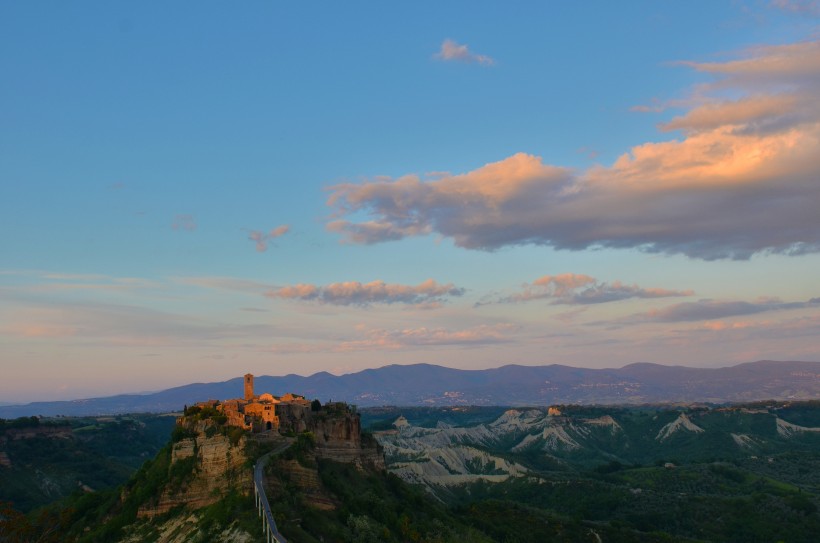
x=369 y=506
x=625 y=486
x=195 y=413
x=53 y=458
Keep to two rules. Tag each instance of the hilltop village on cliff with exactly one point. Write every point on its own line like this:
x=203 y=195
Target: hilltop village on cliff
x=263 y=412
x=287 y=414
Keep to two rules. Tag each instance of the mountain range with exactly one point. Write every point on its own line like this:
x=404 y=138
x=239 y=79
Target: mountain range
x=512 y=385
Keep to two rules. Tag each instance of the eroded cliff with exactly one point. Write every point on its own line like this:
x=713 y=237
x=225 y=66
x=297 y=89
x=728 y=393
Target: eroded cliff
x=204 y=466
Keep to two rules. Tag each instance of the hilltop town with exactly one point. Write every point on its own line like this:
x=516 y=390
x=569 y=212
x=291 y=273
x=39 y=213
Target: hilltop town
x=261 y=413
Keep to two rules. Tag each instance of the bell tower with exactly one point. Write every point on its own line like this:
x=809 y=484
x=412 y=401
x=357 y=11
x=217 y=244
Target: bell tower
x=249 y=387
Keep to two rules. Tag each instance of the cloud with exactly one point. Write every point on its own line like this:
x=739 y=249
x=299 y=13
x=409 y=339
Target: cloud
x=225 y=283
x=803 y=7
x=710 y=310
x=38 y=281
x=452 y=51
x=262 y=239
x=748 y=110
x=106 y=324
x=364 y=294
x=378 y=339
x=577 y=289
x=424 y=337
x=184 y=222
x=741 y=180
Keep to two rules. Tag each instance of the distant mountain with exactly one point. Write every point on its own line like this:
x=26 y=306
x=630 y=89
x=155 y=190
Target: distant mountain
x=425 y=384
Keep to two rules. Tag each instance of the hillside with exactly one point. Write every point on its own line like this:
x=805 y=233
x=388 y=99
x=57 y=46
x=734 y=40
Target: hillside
x=424 y=384
x=743 y=473
x=44 y=460
x=740 y=473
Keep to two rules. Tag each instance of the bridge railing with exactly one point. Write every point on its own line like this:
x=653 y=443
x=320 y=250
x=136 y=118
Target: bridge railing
x=272 y=534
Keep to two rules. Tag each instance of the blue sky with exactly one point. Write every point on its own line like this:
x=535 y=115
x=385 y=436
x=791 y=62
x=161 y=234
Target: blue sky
x=197 y=190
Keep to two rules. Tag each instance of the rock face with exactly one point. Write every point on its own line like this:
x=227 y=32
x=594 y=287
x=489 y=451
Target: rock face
x=217 y=466
x=677 y=425
x=787 y=429
x=339 y=438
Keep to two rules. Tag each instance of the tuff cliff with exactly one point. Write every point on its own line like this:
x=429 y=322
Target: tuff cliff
x=337 y=432
x=338 y=435
x=205 y=464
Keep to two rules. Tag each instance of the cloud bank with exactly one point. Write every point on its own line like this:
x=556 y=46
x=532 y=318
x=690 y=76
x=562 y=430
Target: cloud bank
x=452 y=51
x=743 y=178
x=578 y=289
x=365 y=294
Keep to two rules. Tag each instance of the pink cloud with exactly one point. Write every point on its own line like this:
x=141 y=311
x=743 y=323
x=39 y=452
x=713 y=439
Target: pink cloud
x=377 y=338
x=262 y=239
x=452 y=51
x=578 y=289
x=39 y=330
x=364 y=294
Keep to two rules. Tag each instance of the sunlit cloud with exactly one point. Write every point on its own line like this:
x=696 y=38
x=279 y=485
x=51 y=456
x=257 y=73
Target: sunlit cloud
x=262 y=239
x=741 y=180
x=453 y=51
x=365 y=294
x=579 y=289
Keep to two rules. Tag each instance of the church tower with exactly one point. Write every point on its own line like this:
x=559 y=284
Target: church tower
x=249 y=387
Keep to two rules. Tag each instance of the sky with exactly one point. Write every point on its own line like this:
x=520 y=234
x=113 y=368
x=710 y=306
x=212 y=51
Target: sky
x=191 y=191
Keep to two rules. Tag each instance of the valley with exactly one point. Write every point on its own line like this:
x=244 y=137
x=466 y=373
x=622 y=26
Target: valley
x=648 y=473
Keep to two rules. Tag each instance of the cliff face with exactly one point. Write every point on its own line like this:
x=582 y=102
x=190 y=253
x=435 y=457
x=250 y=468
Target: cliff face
x=339 y=438
x=202 y=470
x=337 y=430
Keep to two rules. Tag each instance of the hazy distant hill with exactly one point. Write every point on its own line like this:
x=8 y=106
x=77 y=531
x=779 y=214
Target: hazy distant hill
x=425 y=384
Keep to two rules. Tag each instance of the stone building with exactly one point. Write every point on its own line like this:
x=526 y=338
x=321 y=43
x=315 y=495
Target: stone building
x=248 y=387
x=257 y=413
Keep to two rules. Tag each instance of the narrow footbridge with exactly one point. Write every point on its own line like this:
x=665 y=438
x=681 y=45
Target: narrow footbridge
x=272 y=534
